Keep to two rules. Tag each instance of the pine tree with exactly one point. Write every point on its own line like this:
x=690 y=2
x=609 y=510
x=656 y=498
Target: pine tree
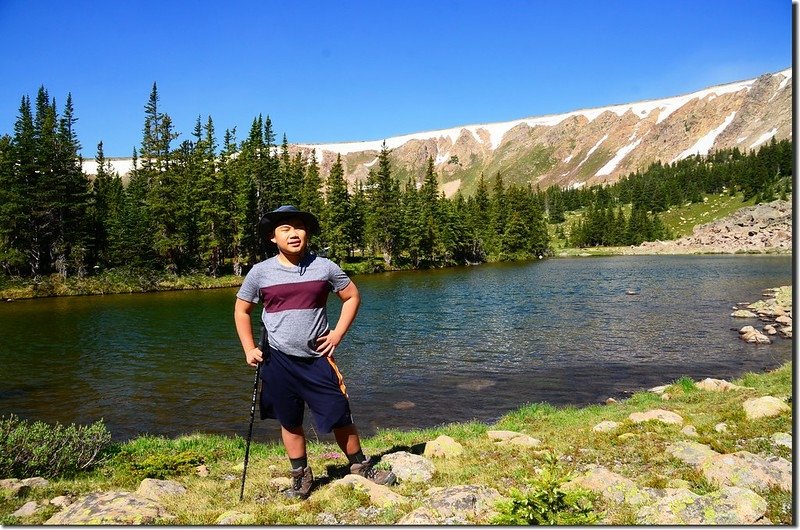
x=337 y=217
x=383 y=213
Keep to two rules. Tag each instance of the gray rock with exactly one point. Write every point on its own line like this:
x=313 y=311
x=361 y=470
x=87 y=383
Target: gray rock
x=611 y=486
x=743 y=313
x=727 y=506
x=112 y=507
x=747 y=470
x=62 y=500
x=409 y=467
x=764 y=407
x=691 y=453
x=27 y=509
x=782 y=439
x=326 y=519
x=661 y=415
x=154 y=489
x=716 y=385
x=379 y=495
x=466 y=502
x=605 y=426
x=690 y=430
x=36 y=482
x=443 y=447
x=421 y=516
x=14 y=487
x=234 y=517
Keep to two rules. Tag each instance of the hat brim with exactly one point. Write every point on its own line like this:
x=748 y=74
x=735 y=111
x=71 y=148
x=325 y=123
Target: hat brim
x=272 y=220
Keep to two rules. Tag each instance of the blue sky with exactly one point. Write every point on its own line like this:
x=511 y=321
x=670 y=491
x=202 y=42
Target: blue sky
x=331 y=71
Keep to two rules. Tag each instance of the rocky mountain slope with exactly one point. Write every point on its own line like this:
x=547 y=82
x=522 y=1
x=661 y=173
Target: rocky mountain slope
x=582 y=147
x=764 y=228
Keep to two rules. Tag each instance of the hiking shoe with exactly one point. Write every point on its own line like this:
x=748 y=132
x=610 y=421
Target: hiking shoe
x=302 y=482
x=367 y=470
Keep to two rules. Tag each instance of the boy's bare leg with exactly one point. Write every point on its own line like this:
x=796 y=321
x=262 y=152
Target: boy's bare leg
x=347 y=438
x=294 y=440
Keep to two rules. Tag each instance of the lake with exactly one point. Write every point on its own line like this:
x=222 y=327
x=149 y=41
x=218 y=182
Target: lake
x=427 y=348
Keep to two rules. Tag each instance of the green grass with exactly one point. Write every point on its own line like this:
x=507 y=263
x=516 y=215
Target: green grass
x=681 y=220
x=565 y=432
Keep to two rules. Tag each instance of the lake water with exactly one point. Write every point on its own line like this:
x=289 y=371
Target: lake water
x=428 y=347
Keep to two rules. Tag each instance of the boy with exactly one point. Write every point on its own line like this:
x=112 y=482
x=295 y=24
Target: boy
x=298 y=365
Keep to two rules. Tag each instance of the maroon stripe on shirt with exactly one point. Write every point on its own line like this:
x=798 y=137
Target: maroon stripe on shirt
x=301 y=295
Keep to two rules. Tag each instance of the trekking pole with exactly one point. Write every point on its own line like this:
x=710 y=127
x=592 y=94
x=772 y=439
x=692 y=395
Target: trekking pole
x=250 y=430
x=262 y=344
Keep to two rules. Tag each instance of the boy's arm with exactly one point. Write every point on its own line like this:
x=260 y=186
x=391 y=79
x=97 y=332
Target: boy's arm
x=244 y=328
x=351 y=300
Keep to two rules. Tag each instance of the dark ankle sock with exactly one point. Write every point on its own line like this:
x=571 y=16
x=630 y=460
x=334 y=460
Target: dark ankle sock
x=298 y=463
x=357 y=458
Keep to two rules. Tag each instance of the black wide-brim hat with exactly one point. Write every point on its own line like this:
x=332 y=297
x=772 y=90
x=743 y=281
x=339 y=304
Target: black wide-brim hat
x=272 y=219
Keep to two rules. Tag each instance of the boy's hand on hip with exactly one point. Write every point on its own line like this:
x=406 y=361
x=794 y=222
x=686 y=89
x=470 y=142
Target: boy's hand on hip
x=327 y=344
x=253 y=357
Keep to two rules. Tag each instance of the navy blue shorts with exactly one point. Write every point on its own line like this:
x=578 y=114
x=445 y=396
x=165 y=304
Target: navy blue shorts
x=289 y=382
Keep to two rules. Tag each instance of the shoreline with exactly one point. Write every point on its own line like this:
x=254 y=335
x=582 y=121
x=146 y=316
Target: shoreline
x=55 y=286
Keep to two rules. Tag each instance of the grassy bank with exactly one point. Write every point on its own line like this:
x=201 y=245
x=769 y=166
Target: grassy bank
x=566 y=432
x=110 y=282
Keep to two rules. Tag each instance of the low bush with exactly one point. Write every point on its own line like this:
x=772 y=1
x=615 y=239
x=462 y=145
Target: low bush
x=546 y=503
x=30 y=449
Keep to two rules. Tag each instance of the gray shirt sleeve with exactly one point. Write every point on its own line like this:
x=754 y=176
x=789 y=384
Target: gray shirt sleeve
x=249 y=291
x=337 y=277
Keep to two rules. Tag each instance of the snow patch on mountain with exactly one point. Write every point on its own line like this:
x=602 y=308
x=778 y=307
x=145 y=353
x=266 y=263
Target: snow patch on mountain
x=703 y=145
x=611 y=165
x=764 y=137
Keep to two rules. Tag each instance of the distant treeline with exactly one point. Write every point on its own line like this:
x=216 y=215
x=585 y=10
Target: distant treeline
x=195 y=206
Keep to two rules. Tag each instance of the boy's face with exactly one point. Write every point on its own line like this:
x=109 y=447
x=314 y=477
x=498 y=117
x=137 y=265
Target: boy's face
x=291 y=237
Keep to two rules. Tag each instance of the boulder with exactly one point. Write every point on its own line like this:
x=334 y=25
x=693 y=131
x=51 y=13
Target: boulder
x=35 y=482
x=743 y=313
x=751 y=335
x=782 y=439
x=727 y=506
x=409 y=467
x=421 y=516
x=26 y=510
x=464 y=504
x=690 y=430
x=661 y=415
x=234 y=517
x=154 y=489
x=716 y=385
x=443 y=447
x=379 y=495
x=784 y=320
x=659 y=389
x=62 y=500
x=14 y=487
x=112 y=507
x=747 y=470
x=605 y=426
x=611 y=486
x=691 y=453
x=502 y=435
x=764 y=407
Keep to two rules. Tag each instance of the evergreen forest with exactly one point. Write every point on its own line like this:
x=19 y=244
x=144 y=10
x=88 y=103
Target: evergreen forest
x=193 y=207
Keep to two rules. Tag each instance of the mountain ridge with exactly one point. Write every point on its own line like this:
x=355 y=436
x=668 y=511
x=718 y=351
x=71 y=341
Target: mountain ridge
x=579 y=147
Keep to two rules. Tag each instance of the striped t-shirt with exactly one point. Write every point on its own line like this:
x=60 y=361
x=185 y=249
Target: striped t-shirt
x=294 y=299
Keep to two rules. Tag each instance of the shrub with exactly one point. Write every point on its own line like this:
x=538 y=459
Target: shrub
x=163 y=465
x=39 y=449
x=545 y=503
